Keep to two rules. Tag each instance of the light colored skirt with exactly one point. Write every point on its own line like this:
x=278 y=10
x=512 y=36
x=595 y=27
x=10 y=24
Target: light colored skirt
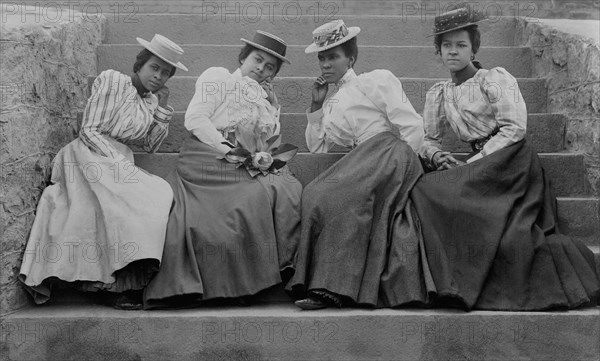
x=100 y=225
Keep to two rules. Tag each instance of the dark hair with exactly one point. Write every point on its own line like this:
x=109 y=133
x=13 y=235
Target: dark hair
x=143 y=57
x=350 y=49
x=474 y=36
x=247 y=49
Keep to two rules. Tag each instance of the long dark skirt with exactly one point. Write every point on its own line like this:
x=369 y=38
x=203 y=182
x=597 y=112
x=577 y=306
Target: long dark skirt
x=228 y=235
x=492 y=241
x=358 y=237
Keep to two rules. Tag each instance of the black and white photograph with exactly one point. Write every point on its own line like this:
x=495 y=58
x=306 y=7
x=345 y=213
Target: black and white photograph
x=300 y=180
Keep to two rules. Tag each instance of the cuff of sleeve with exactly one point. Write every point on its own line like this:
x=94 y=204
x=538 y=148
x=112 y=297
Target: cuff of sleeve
x=222 y=148
x=163 y=115
x=477 y=156
x=433 y=155
x=315 y=118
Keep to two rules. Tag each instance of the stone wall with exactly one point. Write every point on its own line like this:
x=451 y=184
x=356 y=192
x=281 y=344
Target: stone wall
x=45 y=60
x=570 y=63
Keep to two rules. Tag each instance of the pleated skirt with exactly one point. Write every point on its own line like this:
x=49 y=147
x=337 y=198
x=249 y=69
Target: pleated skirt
x=228 y=234
x=360 y=237
x=492 y=240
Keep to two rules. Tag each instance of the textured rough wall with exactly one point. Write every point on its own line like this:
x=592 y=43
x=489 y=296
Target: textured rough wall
x=45 y=60
x=570 y=63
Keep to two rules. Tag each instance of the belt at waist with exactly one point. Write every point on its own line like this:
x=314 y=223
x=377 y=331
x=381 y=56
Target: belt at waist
x=478 y=144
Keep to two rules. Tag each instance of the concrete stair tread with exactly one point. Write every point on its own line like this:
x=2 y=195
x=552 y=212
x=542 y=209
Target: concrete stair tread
x=578 y=212
x=406 y=59
x=261 y=310
x=294 y=93
x=545 y=133
x=295 y=30
x=564 y=169
x=284 y=332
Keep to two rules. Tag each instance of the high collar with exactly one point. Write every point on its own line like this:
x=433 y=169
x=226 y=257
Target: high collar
x=350 y=75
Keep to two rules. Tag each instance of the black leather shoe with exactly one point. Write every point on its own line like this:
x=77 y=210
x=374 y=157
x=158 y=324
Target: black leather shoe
x=310 y=304
x=126 y=302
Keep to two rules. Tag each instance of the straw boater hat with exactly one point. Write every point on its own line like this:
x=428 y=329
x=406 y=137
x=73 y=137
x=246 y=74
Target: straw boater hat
x=269 y=43
x=165 y=49
x=456 y=19
x=330 y=35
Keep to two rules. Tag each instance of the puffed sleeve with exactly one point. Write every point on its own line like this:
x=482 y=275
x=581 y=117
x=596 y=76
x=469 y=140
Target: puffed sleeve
x=385 y=91
x=159 y=129
x=434 y=119
x=108 y=90
x=207 y=98
x=316 y=140
x=508 y=106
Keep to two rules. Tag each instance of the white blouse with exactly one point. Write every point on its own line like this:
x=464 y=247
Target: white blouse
x=364 y=105
x=489 y=102
x=222 y=102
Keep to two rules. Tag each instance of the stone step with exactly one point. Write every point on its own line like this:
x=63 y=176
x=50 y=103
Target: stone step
x=580 y=218
x=579 y=214
x=284 y=332
x=113 y=9
x=546 y=132
x=413 y=61
x=228 y=28
x=565 y=170
x=294 y=93
x=118 y=10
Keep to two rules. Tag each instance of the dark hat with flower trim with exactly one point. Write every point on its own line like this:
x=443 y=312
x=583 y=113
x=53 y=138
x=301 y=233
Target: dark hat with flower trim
x=457 y=19
x=269 y=43
x=330 y=35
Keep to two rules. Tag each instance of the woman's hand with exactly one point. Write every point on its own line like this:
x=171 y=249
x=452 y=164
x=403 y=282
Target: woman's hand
x=444 y=160
x=163 y=96
x=319 y=92
x=271 y=97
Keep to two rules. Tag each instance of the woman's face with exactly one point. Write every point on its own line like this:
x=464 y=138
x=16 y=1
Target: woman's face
x=456 y=50
x=259 y=65
x=334 y=63
x=154 y=73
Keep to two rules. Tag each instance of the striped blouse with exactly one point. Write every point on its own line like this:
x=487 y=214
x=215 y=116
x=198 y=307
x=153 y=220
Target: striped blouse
x=489 y=102
x=115 y=109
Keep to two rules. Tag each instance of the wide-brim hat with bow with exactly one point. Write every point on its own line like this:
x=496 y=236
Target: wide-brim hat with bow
x=165 y=49
x=269 y=43
x=330 y=35
x=457 y=19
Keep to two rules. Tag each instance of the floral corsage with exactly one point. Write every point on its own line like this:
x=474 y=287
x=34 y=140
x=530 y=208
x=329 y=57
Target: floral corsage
x=261 y=154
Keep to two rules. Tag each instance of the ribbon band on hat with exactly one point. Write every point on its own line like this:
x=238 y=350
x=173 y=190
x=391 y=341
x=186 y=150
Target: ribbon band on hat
x=330 y=35
x=165 y=49
x=327 y=39
x=269 y=43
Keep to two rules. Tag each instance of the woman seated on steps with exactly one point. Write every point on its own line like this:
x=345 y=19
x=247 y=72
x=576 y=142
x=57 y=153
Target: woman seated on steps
x=489 y=225
x=353 y=211
x=232 y=231
x=103 y=217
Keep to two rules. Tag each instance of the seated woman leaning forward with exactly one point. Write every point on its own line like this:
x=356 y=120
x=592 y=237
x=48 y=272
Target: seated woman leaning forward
x=234 y=225
x=104 y=219
x=489 y=226
x=353 y=211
